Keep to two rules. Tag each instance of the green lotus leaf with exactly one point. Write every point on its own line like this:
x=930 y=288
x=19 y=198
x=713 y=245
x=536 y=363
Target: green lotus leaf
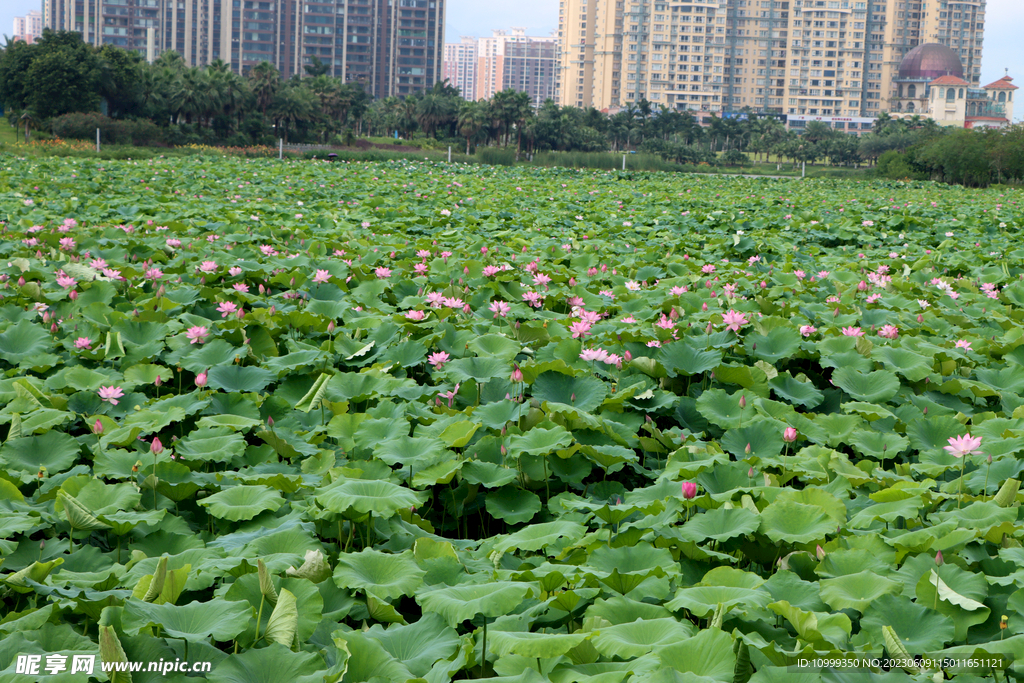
x=269 y=665
x=481 y=369
x=764 y=437
x=709 y=654
x=779 y=343
x=195 y=622
x=210 y=355
x=420 y=645
x=877 y=444
x=540 y=441
x=384 y=575
x=801 y=393
x=23 y=340
x=704 y=600
x=499 y=413
x=857 y=591
x=488 y=474
x=368 y=660
x=919 y=628
x=538 y=536
x=821 y=629
x=497 y=345
x=913 y=366
x=220 y=444
x=585 y=393
x=512 y=504
x=724 y=410
x=53 y=450
x=533 y=645
x=284 y=620
x=240 y=378
x=871 y=387
x=641 y=637
x=679 y=358
x=978 y=515
x=720 y=524
x=795 y=523
x=382 y=498
x=957 y=594
x=242 y=502
x=456 y=604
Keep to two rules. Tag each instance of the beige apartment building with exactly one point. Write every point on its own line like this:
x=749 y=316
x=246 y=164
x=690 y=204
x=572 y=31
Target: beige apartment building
x=807 y=58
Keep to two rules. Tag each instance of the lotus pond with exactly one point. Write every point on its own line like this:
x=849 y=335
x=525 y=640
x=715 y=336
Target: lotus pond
x=327 y=422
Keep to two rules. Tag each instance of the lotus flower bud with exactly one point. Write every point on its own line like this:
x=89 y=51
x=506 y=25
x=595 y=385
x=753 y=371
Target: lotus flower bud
x=73 y=295
x=789 y=435
x=330 y=327
x=201 y=380
x=920 y=318
x=743 y=401
x=862 y=286
x=628 y=356
x=517 y=374
x=158 y=381
x=97 y=427
x=819 y=552
x=156 y=448
x=938 y=558
x=21 y=281
x=689 y=490
x=270 y=421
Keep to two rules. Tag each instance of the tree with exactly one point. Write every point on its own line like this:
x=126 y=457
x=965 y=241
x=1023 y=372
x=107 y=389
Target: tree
x=264 y=81
x=316 y=67
x=64 y=75
x=471 y=119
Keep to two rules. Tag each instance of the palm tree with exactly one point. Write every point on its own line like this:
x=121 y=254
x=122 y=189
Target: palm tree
x=472 y=117
x=190 y=94
x=431 y=111
x=264 y=81
x=291 y=105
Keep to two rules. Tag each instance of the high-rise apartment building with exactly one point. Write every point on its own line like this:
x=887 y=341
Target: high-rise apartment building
x=799 y=57
x=28 y=27
x=460 y=66
x=392 y=47
x=514 y=60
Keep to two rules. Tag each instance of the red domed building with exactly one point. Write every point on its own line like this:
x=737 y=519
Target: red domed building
x=931 y=84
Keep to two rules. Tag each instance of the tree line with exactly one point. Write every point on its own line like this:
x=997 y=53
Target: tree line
x=60 y=83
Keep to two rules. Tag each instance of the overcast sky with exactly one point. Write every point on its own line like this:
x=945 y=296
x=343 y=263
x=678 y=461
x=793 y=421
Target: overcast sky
x=477 y=18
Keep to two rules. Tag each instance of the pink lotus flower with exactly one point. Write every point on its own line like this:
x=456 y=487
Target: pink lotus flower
x=664 y=323
x=579 y=329
x=517 y=374
x=421 y=268
x=889 y=332
x=734 y=320
x=110 y=394
x=415 y=315
x=438 y=359
x=499 y=308
x=83 y=343
x=156 y=447
x=689 y=489
x=197 y=334
x=853 y=332
x=153 y=274
x=800 y=275
x=593 y=355
x=959 y=446
x=67 y=243
x=541 y=279
x=241 y=287
x=208 y=266
x=234 y=271
x=808 y=330
x=201 y=379
x=64 y=281
x=676 y=291
x=321 y=276
x=708 y=268
x=963 y=344
x=382 y=272
x=452 y=302
x=535 y=299
x=227 y=308
x=789 y=435
x=173 y=243
x=423 y=253
x=490 y=271
x=97 y=427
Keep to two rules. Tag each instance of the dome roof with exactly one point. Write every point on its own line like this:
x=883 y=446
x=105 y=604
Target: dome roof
x=930 y=61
